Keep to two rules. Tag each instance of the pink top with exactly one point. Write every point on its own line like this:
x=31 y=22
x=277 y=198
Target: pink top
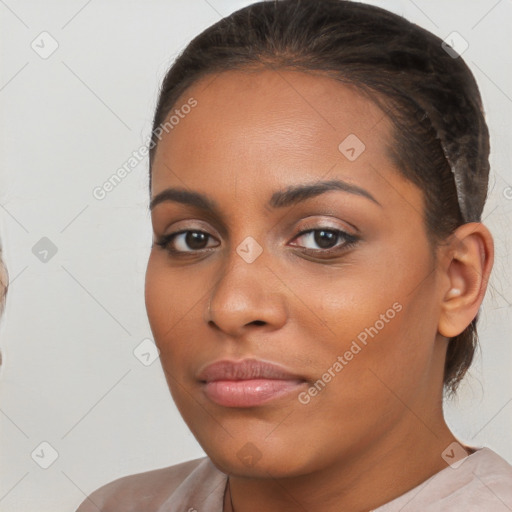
x=482 y=482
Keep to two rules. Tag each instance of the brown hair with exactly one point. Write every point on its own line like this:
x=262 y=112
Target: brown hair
x=440 y=140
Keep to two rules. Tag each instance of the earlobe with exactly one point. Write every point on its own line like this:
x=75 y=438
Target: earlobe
x=470 y=258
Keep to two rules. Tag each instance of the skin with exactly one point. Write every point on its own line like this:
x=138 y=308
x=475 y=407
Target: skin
x=4 y=281
x=250 y=135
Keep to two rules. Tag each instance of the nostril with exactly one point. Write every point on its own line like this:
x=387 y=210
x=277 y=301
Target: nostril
x=258 y=322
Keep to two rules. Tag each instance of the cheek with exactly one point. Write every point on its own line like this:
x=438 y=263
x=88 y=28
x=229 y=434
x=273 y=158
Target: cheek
x=158 y=296
x=340 y=302
x=172 y=299
x=379 y=318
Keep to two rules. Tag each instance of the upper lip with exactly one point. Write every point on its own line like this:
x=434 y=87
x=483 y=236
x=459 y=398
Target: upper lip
x=244 y=370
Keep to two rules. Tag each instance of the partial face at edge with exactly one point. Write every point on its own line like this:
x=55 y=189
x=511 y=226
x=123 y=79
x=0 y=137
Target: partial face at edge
x=4 y=282
x=359 y=288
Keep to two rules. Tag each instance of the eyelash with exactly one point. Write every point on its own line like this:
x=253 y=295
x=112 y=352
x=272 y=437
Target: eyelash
x=349 y=241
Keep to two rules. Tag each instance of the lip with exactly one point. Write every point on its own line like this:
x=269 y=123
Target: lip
x=245 y=369
x=247 y=383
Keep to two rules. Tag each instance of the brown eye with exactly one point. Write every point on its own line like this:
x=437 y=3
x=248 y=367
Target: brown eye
x=326 y=239
x=196 y=239
x=185 y=241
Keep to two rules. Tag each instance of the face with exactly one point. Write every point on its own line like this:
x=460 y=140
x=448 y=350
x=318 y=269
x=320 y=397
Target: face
x=4 y=279
x=333 y=283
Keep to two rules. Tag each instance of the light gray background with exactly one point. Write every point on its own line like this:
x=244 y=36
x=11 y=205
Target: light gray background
x=68 y=122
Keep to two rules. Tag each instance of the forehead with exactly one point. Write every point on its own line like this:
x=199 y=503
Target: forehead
x=263 y=127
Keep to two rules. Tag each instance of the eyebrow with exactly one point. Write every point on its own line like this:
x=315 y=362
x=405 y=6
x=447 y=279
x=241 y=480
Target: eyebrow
x=280 y=199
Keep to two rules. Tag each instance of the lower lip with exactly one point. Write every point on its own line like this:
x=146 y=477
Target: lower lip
x=249 y=393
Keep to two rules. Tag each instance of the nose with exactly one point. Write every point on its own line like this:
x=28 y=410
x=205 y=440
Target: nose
x=246 y=296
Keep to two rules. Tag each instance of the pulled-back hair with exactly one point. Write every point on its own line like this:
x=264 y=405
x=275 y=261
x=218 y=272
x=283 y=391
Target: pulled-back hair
x=440 y=139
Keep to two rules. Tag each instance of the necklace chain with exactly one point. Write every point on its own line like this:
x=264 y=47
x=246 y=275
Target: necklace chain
x=230 y=497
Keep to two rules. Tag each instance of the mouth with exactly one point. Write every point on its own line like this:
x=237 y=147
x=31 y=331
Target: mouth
x=247 y=383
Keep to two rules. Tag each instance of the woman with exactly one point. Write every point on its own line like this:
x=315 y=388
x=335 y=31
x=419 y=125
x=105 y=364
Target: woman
x=4 y=286
x=318 y=174
x=4 y=281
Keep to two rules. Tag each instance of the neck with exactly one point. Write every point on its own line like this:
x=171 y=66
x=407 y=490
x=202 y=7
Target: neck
x=382 y=472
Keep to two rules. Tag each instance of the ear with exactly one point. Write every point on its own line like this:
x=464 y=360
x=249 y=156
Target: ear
x=469 y=258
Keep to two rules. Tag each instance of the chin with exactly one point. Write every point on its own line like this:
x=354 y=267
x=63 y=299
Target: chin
x=263 y=465
x=258 y=458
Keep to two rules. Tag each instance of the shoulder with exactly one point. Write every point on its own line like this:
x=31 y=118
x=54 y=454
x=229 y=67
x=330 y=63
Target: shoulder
x=149 y=490
x=492 y=476
x=482 y=482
